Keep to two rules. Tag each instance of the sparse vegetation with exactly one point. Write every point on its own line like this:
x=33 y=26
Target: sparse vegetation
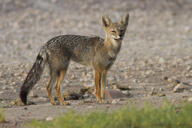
x=2 y=118
x=165 y=116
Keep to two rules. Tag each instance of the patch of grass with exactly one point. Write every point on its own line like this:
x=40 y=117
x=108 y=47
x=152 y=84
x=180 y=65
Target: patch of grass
x=165 y=116
x=2 y=117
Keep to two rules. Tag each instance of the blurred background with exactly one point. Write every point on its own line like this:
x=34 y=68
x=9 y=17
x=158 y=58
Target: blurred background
x=156 y=28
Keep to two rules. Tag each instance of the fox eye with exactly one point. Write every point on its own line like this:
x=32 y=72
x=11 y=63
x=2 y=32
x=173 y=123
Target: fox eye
x=122 y=31
x=113 y=31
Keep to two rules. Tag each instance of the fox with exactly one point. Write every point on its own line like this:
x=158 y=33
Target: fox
x=92 y=51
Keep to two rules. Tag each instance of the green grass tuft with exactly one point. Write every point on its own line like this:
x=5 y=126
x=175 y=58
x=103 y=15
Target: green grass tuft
x=2 y=117
x=165 y=116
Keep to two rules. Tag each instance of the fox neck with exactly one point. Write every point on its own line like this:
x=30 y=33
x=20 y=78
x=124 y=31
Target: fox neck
x=113 y=46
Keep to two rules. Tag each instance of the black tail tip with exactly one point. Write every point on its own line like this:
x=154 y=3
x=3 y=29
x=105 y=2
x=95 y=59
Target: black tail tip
x=23 y=96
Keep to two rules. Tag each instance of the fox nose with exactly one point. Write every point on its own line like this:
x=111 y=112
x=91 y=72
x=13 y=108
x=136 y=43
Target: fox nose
x=121 y=35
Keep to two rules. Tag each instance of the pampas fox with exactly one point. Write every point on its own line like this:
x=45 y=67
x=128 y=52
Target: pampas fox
x=90 y=51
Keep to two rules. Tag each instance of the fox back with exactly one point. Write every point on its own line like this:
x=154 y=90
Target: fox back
x=89 y=50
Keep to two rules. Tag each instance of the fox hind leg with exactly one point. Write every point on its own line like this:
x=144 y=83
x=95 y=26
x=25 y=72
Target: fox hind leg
x=49 y=88
x=59 y=79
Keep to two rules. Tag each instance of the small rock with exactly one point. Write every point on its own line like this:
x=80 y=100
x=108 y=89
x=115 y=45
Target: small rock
x=85 y=96
x=15 y=42
x=170 y=80
x=153 y=92
x=87 y=90
x=43 y=98
x=174 y=81
x=17 y=102
x=123 y=87
x=114 y=87
x=178 y=88
x=114 y=94
x=161 y=94
x=160 y=89
x=190 y=99
x=115 y=101
x=126 y=76
x=148 y=72
x=73 y=77
x=89 y=100
x=49 y=118
x=5 y=88
x=13 y=83
x=126 y=93
x=135 y=81
x=165 y=78
x=189 y=68
x=188 y=75
x=31 y=94
x=161 y=60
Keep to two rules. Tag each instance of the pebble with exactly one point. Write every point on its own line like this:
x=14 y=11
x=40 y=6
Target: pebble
x=135 y=81
x=190 y=99
x=115 y=101
x=73 y=77
x=189 y=68
x=5 y=88
x=85 y=96
x=123 y=87
x=161 y=94
x=43 y=98
x=161 y=89
x=161 y=60
x=49 y=118
x=178 y=88
x=153 y=92
x=170 y=80
x=31 y=94
x=114 y=87
x=126 y=92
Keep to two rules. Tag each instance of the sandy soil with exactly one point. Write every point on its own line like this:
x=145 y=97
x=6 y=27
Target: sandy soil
x=154 y=64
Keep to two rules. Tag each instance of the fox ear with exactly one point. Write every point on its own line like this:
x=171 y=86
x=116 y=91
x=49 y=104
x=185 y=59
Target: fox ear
x=125 y=19
x=106 y=21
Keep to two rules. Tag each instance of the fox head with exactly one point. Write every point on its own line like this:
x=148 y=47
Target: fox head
x=115 y=31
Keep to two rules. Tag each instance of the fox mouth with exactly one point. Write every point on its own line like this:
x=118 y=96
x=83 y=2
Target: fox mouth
x=118 y=38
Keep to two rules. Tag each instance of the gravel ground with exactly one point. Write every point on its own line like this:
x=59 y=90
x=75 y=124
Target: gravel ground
x=155 y=62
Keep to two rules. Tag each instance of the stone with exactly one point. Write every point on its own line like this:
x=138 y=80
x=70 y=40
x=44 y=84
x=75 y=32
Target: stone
x=115 y=101
x=161 y=60
x=190 y=99
x=126 y=92
x=178 y=88
x=114 y=94
x=5 y=88
x=161 y=94
x=49 y=118
x=123 y=87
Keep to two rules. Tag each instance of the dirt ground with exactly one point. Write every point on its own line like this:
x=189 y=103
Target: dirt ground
x=155 y=62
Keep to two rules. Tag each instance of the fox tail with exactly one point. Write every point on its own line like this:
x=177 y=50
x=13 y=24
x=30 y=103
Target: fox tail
x=33 y=75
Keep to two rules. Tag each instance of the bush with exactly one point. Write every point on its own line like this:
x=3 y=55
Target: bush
x=165 y=116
